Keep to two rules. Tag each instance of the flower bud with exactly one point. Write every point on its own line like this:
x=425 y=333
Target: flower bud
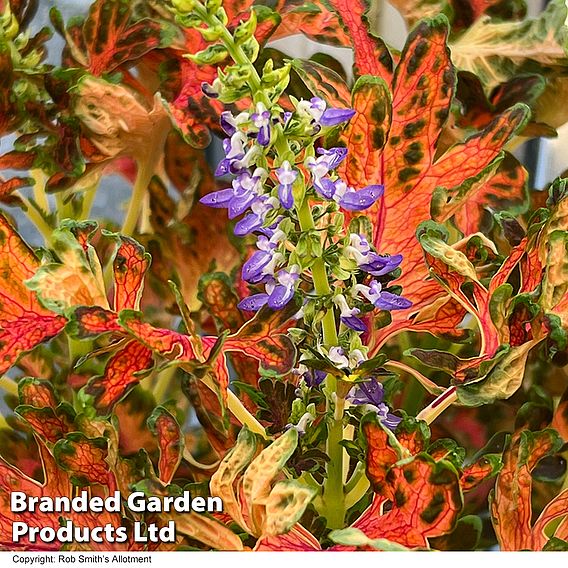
x=184 y=6
x=245 y=30
x=210 y=56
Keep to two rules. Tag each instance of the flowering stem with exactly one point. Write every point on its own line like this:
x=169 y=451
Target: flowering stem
x=333 y=494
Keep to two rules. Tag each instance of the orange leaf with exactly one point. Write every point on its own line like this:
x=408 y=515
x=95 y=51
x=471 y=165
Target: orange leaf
x=511 y=508
x=24 y=322
x=380 y=454
x=121 y=374
x=426 y=503
x=130 y=265
x=84 y=459
x=371 y=54
x=408 y=165
x=170 y=442
x=110 y=36
x=298 y=539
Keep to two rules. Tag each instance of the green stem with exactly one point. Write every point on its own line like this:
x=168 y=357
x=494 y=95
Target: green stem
x=333 y=493
x=36 y=218
x=143 y=177
x=40 y=196
x=9 y=385
x=163 y=382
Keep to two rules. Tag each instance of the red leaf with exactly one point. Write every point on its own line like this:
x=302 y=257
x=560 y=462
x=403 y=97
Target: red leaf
x=170 y=442
x=130 y=265
x=262 y=338
x=122 y=373
x=511 y=508
x=48 y=423
x=170 y=344
x=110 y=36
x=84 y=459
x=90 y=321
x=426 y=503
x=477 y=472
x=38 y=393
x=24 y=323
x=11 y=479
x=560 y=418
x=371 y=54
x=312 y=19
x=380 y=454
x=297 y=540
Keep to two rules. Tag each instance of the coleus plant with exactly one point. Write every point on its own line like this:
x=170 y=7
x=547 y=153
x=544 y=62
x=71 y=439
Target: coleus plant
x=378 y=248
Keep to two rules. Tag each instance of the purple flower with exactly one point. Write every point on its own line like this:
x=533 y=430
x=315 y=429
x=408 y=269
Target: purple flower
x=237 y=199
x=282 y=292
x=255 y=220
x=353 y=200
x=261 y=119
x=246 y=188
x=371 y=395
x=332 y=157
x=286 y=177
x=230 y=124
x=262 y=264
x=279 y=291
x=317 y=110
x=348 y=316
x=312 y=377
x=335 y=116
x=320 y=167
x=337 y=356
x=381 y=299
x=234 y=148
x=367 y=260
x=378 y=265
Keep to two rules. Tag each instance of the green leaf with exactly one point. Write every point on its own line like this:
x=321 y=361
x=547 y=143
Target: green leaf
x=496 y=51
x=356 y=537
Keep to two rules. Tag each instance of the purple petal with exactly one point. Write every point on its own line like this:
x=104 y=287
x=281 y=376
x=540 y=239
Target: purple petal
x=334 y=116
x=219 y=199
x=253 y=303
x=380 y=265
x=370 y=392
x=325 y=187
x=252 y=268
x=314 y=377
x=240 y=204
x=209 y=91
x=223 y=168
x=226 y=125
x=354 y=323
x=362 y=199
x=263 y=137
x=247 y=224
x=280 y=296
x=285 y=195
x=336 y=156
x=390 y=420
x=388 y=301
